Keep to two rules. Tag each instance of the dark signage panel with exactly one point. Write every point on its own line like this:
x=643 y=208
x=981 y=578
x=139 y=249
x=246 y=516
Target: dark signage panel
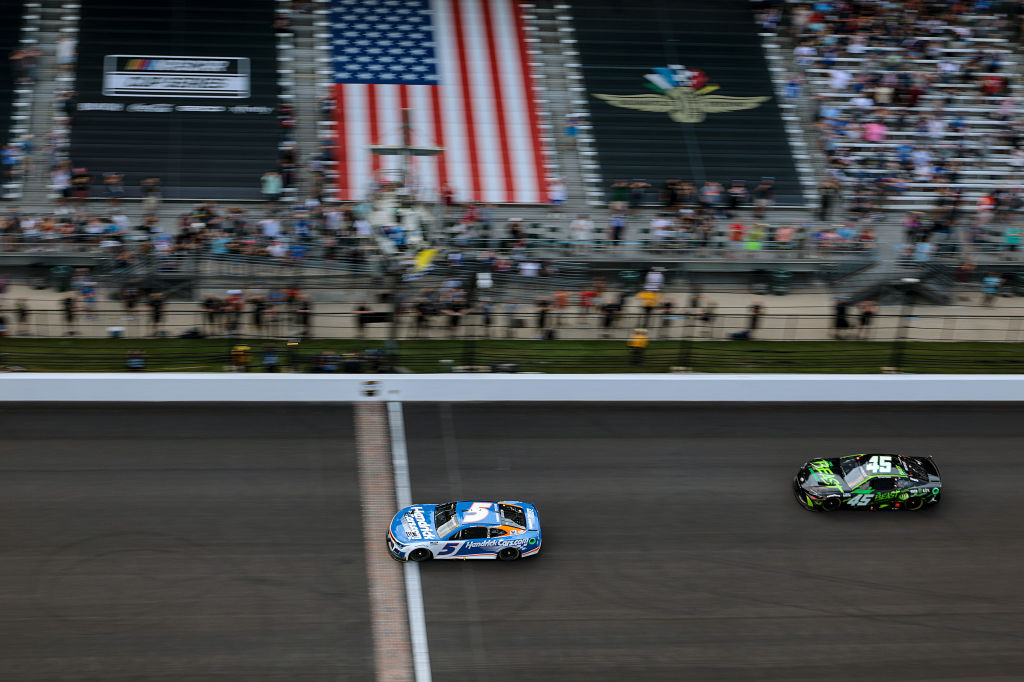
x=183 y=90
x=682 y=90
x=10 y=28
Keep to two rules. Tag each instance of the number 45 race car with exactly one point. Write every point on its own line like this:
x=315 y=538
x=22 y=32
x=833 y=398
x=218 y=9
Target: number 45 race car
x=868 y=482
x=465 y=530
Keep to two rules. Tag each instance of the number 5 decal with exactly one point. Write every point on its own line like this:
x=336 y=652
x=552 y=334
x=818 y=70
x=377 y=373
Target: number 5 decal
x=478 y=511
x=448 y=548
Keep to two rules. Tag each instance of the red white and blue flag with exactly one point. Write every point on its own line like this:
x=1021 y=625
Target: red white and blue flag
x=461 y=68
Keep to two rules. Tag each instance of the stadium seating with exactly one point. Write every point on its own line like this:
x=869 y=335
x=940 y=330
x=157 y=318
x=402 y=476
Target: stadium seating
x=978 y=130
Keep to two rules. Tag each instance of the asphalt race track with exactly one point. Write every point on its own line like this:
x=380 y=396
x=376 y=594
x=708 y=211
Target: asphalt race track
x=673 y=549
x=224 y=543
x=181 y=543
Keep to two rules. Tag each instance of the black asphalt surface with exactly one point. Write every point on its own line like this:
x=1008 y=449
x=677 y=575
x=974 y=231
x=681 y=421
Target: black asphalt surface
x=673 y=548
x=181 y=543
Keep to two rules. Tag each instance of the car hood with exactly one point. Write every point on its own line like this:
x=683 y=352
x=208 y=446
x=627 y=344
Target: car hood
x=414 y=524
x=822 y=476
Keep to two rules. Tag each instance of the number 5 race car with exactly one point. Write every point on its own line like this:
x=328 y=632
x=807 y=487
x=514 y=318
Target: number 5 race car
x=465 y=530
x=868 y=482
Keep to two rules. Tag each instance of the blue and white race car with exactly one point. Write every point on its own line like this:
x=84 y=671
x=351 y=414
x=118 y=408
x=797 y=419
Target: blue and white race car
x=465 y=530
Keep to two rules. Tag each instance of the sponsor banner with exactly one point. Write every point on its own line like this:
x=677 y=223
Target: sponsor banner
x=520 y=543
x=163 y=108
x=183 y=77
x=426 y=531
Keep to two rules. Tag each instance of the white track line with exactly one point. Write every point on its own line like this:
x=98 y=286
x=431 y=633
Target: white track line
x=413 y=589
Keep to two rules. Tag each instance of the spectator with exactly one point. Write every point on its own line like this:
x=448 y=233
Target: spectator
x=754 y=318
x=617 y=229
x=868 y=309
x=156 y=307
x=557 y=194
x=841 y=320
x=654 y=280
x=151 y=193
x=637 y=344
x=990 y=287
x=304 y=316
x=270 y=359
x=70 y=307
x=764 y=197
x=272 y=185
x=65 y=52
x=648 y=302
x=240 y=357
x=362 y=313
x=581 y=232
x=81 y=181
x=21 y=316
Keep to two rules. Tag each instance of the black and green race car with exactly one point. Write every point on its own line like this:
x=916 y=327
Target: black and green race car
x=868 y=482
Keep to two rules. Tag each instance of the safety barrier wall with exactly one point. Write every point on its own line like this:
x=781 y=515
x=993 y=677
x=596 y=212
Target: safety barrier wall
x=481 y=388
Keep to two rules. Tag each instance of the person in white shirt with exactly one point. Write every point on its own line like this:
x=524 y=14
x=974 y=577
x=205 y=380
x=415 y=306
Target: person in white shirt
x=529 y=268
x=660 y=229
x=277 y=249
x=654 y=280
x=804 y=55
x=838 y=79
x=270 y=227
x=581 y=231
x=862 y=102
x=1017 y=160
x=363 y=228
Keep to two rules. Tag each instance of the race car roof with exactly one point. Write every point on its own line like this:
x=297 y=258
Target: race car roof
x=477 y=513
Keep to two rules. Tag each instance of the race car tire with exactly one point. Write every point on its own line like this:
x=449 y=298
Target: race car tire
x=914 y=503
x=420 y=554
x=508 y=554
x=831 y=504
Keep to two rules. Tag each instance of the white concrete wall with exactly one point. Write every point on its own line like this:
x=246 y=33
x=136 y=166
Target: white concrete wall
x=194 y=387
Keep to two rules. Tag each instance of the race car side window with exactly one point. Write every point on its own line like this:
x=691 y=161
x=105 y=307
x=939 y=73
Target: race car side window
x=471 y=533
x=883 y=483
x=497 y=532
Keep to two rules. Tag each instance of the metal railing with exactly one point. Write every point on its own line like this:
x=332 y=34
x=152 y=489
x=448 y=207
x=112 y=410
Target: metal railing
x=523 y=321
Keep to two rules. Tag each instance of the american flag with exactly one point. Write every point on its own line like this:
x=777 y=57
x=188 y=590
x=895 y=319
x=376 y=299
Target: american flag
x=461 y=67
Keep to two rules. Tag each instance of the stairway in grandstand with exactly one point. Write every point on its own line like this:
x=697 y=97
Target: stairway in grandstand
x=717 y=44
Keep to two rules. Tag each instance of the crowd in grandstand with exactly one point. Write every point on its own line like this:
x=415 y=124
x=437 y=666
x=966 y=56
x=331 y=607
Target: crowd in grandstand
x=915 y=105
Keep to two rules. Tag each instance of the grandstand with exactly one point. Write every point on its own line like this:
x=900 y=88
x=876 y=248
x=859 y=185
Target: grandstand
x=701 y=140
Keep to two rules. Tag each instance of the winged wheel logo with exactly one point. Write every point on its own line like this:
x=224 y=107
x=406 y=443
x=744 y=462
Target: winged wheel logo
x=683 y=94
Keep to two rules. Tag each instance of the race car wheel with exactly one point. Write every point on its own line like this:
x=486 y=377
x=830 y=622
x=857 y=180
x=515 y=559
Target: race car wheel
x=420 y=554
x=831 y=504
x=508 y=554
x=914 y=503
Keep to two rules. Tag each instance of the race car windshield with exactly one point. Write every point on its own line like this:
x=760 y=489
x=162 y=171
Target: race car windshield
x=915 y=468
x=443 y=513
x=855 y=475
x=858 y=469
x=513 y=515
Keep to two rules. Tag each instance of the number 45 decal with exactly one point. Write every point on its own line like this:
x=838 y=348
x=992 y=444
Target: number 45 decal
x=860 y=500
x=879 y=464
